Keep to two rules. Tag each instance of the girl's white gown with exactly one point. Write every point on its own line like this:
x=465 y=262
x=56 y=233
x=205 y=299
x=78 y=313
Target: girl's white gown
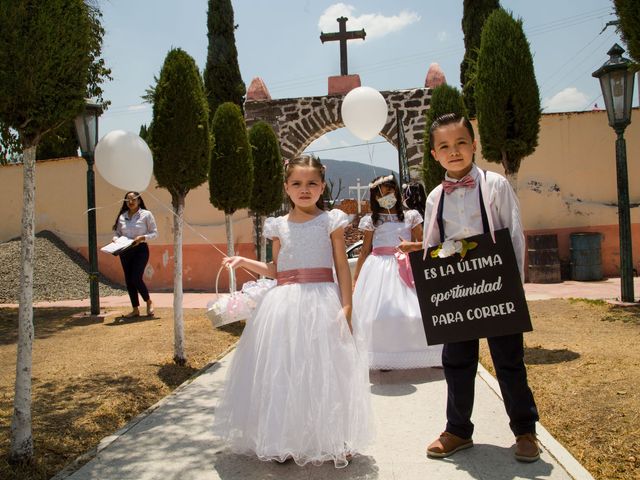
x=385 y=307
x=298 y=385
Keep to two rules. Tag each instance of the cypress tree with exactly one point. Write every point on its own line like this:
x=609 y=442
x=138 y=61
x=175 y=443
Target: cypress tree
x=628 y=12
x=231 y=173
x=475 y=13
x=180 y=142
x=444 y=99
x=268 y=177
x=222 y=79
x=507 y=96
x=145 y=132
x=45 y=58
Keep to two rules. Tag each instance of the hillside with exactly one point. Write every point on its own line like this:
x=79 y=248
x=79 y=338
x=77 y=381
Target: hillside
x=349 y=172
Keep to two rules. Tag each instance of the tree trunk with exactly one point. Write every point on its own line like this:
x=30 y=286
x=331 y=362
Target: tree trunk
x=179 y=356
x=230 y=251
x=509 y=173
x=513 y=180
x=21 y=437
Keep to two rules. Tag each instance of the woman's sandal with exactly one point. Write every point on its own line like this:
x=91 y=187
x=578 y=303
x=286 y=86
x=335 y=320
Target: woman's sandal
x=131 y=315
x=150 y=311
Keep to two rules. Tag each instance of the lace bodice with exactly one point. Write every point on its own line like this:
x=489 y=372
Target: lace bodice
x=388 y=233
x=307 y=244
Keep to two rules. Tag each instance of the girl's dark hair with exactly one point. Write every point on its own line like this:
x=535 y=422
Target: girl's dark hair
x=448 y=119
x=375 y=193
x=125 y=207
x=415 y=197
x=306 y=161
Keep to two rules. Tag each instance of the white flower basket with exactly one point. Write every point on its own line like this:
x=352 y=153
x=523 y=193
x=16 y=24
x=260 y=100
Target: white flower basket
x=240 y=305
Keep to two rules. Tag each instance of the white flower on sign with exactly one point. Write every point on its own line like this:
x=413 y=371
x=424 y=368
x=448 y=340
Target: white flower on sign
x=449 y=248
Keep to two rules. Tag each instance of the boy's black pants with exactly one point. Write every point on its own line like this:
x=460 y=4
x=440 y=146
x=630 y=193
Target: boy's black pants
x=134 y=261
x=460 y=362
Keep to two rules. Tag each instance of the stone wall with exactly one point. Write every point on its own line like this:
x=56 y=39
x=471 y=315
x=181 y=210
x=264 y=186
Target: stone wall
x=299 y=121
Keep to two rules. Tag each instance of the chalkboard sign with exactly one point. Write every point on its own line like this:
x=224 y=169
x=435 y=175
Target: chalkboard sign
x=478 y=296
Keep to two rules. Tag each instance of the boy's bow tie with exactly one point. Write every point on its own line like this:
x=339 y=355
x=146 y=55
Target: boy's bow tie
x=466 y=182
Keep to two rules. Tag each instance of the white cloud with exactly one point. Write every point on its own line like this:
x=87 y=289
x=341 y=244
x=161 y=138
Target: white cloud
x=442 y=37
x=135 y=108
x=320 y=143
x=376 y=25
x=568 y=100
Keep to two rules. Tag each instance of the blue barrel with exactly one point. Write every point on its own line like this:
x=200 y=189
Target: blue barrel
x=586 y=256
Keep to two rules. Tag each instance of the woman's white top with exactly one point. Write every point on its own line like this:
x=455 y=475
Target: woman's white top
x=140 y=223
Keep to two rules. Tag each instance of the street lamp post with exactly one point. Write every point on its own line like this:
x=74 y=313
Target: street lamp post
x=616 y=81
x=87 y=131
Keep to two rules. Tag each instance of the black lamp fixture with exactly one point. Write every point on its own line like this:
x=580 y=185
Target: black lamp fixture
x=87 y=131
x=616 y=81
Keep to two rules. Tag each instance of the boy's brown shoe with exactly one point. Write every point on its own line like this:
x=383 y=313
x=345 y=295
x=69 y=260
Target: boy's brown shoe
x=527 y=449
x=448 y=444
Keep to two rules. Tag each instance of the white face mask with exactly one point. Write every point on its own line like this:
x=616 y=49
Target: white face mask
x=388 y=201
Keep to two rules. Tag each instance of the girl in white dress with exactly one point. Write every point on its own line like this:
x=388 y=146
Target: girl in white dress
x=384 y=300
x=297 y=387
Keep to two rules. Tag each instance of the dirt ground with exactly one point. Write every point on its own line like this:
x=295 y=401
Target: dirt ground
x=90 y=378
x=583 y=363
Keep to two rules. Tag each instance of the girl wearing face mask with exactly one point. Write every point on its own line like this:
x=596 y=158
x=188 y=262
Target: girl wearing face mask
x=385 y=304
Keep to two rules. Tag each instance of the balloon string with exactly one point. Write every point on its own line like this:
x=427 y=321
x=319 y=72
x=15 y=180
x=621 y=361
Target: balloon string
x=169 y=209
x=370 y=149
x=101 y=207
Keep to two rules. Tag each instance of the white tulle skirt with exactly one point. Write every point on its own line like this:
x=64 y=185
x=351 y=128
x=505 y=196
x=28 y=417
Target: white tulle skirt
x=388 y=310
x=298 y=386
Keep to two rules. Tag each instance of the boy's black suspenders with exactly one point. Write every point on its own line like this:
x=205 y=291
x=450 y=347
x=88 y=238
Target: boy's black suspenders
x=483 y=212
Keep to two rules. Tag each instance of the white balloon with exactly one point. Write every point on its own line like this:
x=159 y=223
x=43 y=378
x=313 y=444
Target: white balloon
x=124 y=160
x=364 y=112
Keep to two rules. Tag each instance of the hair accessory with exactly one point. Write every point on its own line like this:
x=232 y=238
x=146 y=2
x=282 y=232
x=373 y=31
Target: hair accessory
x=380 y=181
x=286 y=163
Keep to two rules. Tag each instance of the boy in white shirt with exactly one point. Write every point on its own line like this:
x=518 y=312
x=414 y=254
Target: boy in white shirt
x=462 y=213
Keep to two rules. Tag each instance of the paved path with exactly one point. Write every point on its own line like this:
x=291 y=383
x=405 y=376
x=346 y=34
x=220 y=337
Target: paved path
x=173 y=440
x=607 y=289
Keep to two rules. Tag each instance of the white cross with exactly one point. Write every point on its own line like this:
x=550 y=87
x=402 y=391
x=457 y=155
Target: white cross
x=359 y=196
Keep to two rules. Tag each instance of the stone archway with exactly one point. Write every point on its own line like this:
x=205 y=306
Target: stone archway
x=299 y=121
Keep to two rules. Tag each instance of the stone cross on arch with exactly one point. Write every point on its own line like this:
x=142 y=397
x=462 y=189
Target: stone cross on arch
x=342 y=36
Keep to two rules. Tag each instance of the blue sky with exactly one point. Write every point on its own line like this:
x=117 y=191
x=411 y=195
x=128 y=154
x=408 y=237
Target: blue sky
x=278 y=40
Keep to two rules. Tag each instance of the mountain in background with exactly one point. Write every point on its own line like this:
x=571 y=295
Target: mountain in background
x=350 y=172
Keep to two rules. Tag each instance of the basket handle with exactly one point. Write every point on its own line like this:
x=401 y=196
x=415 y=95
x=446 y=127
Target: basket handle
x=218 y=279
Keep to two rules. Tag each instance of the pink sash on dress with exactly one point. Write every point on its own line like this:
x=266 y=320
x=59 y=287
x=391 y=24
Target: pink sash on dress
x=404 y=265
x=305 y=275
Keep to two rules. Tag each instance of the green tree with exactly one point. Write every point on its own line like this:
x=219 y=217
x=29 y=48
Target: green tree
x=45 y=60
x=628 y=12
x=10 y=149
x=231 y=173
x=268 y=178
x=444 y=99
x=475 y=13
x=222 y=79
x=61 y=142
x=507 y=96
x=145 y=132
x=180 y=142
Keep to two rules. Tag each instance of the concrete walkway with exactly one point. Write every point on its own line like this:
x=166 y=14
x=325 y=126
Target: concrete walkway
x=607 y=289
x=172 y=440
